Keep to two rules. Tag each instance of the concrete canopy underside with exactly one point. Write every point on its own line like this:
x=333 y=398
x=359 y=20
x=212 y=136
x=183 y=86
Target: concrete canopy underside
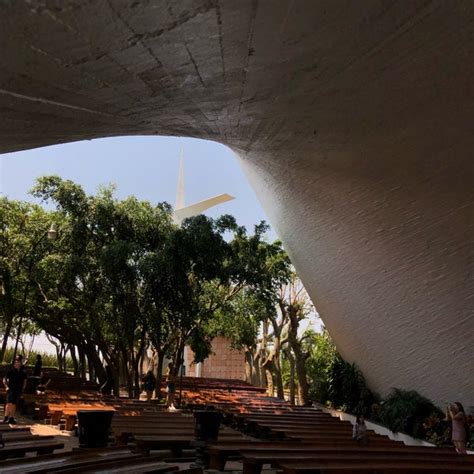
x=353 y=121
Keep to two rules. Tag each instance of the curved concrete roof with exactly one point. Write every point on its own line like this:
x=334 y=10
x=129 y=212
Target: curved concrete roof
x=353 y=120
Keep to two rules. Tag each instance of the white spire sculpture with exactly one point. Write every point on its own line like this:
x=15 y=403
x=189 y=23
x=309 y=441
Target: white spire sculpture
x=182 y=211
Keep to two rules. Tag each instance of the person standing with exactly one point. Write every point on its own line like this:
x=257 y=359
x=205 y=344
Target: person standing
x=170 y=386
x=149 y=384
x=15 y=384
x=456 y=414
x=38 y=366
x=107 y=387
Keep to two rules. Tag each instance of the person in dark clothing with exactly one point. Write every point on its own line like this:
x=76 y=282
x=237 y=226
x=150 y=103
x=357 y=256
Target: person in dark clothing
x=15 y=383
x=38 y=366
x=107 y=387
x=149 y=384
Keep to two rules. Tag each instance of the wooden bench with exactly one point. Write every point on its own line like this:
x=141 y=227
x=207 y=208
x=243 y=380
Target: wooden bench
x=375 y=466
x=138 y=465
x=124 y=434
x=254 y=458
x=5 y=428
x=18 y=435
x=20 y=448
x=284 y=429
x=334 y=434
x=220 y=451
x=76 y=459
x=175 y=444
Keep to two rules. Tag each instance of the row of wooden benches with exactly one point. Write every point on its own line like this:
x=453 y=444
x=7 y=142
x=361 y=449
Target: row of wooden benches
x=293 y=439
x=312 y=441
x=19 y=441
x=98 y=461
x=306 y=440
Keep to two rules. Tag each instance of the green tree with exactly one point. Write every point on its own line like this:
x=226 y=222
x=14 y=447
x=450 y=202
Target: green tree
x=319 y=364
x=250 y=317
x=95 y=301
x=23 y=227
x=295 y=306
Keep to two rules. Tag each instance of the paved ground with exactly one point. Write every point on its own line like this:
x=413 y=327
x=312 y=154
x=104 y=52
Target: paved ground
x=67 y=437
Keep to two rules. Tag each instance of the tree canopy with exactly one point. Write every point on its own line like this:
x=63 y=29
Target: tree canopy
x=122 y=277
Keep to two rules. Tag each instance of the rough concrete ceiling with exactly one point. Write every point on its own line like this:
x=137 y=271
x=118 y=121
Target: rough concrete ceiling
x=353 y=121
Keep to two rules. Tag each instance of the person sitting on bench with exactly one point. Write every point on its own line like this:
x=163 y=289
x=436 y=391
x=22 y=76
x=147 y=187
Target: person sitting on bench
x=149 y=384
x=359 y=432
x=38 y=369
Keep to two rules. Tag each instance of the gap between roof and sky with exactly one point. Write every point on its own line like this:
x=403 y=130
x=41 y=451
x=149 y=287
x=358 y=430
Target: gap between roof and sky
x=146 y=167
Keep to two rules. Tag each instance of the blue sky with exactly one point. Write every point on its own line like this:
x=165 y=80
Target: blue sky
x=146 y=167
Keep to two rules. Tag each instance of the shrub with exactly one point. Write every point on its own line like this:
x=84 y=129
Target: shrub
x=319 y=365
x=348 y=389
x=406 y=411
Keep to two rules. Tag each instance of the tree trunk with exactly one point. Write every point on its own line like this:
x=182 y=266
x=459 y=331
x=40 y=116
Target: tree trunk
x=272 y=364
x=303 y=387
x=291 y=360
x=82 y=362
x=115 y=367
x=75 y=363
x=6 y=336
x=136 y=375
x=159 y=371
x=128 y=375
x=259 y=370
x=300 y=356
x=279 y=380
x=96 y=368
x=249 y=370
x=270 y=385
x=90 y=369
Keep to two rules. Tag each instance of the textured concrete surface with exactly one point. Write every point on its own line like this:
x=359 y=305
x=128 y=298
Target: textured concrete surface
x=353 y=121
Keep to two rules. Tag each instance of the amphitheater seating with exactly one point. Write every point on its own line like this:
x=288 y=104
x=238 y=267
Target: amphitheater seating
x=19 y=442
x=255 y=458
x=259 y=429
x=74 y=461
x=313 y=442
x=372 y=466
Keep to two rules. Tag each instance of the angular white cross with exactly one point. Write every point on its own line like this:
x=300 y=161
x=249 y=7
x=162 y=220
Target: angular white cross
x=182 y=211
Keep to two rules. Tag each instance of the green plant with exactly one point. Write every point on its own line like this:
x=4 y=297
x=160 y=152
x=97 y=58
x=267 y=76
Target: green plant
x=348 y=389
x=319 y=365
x=407 y=411
x=437 y=430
